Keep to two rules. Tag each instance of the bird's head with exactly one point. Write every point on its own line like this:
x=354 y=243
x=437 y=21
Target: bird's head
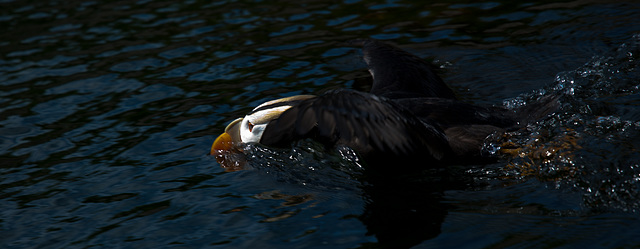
x=250 y=128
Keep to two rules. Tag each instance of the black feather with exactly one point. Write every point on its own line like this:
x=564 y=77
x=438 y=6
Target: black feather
x=410 y=115
x=372 y=126
x=399 y=74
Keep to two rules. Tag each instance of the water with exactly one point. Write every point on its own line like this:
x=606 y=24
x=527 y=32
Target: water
x=107 y=112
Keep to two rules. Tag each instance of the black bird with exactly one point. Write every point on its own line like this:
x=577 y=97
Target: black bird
x=409 y=113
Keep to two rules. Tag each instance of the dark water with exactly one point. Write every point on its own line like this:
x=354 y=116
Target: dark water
x=107 y=112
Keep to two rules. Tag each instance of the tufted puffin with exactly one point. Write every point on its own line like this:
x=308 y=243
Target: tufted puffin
x=409 y=113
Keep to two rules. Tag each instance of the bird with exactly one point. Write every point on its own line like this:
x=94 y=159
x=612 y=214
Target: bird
x=409 y=114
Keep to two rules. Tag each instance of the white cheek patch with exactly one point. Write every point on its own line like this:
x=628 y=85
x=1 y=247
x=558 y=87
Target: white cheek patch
x=259 y=119
x=246 y=135
x=256 y=133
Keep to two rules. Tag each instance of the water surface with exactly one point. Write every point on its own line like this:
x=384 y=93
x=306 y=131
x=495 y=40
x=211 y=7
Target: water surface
x=107 y=112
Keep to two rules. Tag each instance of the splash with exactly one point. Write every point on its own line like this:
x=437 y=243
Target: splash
x=590 y=144
x=305 y=163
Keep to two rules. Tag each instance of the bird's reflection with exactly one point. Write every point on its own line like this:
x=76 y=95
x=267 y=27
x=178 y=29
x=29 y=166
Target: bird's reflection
x=231 y=160
x=401 y=209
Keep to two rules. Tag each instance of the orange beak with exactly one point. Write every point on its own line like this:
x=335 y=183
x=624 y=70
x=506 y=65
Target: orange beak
x=226 y=140
x=225 y=150
x=223 y=142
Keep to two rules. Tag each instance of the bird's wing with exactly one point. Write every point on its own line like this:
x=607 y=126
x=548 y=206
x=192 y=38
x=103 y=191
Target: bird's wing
x=450 y=112
x=399 y=74
x=369 y=124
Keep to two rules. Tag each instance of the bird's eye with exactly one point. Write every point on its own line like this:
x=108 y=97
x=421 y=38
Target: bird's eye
x=250 y=125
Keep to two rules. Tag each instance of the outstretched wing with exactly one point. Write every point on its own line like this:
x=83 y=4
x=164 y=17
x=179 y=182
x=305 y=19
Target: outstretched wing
x=369 y=124
x=399 y=74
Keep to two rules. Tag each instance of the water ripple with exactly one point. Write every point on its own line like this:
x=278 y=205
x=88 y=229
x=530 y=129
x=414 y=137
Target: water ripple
x=108 y=111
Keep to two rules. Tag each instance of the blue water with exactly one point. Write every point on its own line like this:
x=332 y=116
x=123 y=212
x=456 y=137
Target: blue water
x=108 y=111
